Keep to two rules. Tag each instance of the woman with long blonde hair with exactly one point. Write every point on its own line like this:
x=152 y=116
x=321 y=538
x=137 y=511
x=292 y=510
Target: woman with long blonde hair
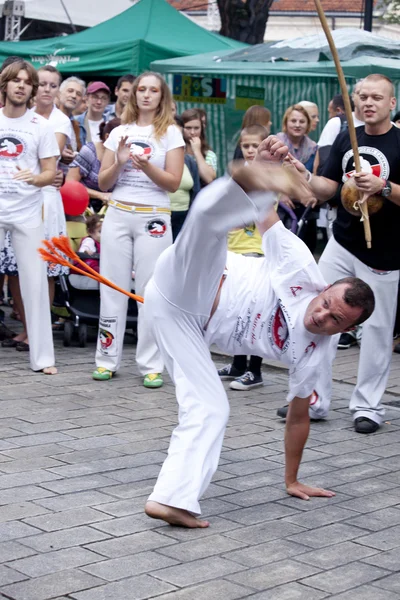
x=142 y=162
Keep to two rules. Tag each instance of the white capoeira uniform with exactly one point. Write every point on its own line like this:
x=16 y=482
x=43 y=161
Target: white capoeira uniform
x=261 y=310
x=23 y=142
x=132 y=238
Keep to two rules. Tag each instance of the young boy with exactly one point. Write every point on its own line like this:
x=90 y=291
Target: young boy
x=246 y=241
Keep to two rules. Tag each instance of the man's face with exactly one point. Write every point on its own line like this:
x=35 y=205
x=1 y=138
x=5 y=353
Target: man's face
x=19 y=90
x=123 y=93
x=71 y=96
x=97 y=103
x=328 y=313
x=376 y=101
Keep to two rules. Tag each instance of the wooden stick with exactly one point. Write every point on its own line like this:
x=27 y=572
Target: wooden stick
x=349 y=116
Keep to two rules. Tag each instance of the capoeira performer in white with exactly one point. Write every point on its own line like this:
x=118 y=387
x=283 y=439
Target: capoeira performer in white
x=277 y=307
x=28 y=155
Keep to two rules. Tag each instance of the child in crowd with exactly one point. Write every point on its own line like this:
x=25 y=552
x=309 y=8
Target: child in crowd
x=89 y=245
x=246 y=241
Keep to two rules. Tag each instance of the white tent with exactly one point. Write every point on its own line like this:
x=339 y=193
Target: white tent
x=86 y=13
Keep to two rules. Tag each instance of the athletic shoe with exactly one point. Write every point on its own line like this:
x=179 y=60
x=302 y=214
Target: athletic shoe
x=246 y=382
x=153 y=380
x=347 y=340
x=229 y=372
x=102 y=374
x=365 y=425
x=282 y=411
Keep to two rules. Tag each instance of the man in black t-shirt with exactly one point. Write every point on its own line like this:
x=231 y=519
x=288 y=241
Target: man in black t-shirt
x=347 y=254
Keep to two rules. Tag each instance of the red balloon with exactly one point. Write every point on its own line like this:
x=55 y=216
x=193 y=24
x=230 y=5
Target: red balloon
x=75 y=198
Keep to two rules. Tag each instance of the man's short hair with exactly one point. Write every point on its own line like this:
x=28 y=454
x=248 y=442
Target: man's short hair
x=338 y=102
x=73 y=79
x=125 y=78
x=358 y=294
x=379 y=77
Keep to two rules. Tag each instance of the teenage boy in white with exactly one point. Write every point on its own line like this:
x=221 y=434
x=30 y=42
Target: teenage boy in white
x=28 y=153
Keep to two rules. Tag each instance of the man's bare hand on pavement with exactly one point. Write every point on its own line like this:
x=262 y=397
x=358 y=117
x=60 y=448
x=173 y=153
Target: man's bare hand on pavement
x=305 y=492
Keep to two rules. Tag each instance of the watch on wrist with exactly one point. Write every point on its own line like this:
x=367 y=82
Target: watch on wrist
x=387 y=189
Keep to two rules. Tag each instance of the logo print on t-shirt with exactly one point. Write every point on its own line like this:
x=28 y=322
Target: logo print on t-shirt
x=156 y=227
x=310 y=348
x=278 y=330
x=140 y=149
x=372 y=161
x=295 y=289
x=11 y=147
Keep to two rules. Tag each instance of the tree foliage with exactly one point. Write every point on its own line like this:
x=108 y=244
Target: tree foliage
x=244 y=20
x=391 y=10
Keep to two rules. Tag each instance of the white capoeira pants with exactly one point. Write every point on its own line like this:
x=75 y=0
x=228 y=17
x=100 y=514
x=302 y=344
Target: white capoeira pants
x=129 y=240
x=34 y=290
x=178 y=302
x=377 y=333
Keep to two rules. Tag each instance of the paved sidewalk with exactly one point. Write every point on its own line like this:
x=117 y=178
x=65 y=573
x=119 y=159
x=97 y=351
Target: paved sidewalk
x=78 y=459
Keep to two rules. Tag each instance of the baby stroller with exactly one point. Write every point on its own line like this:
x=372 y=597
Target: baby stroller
x=83 y=307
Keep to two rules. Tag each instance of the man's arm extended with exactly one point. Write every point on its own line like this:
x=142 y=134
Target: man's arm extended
x=296 y=434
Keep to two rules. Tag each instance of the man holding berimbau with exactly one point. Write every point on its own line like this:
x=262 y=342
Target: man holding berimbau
x=347 y=254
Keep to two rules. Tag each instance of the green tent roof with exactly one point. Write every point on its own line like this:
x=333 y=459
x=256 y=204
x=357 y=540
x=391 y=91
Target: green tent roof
x=127 y=43
x=212 y=63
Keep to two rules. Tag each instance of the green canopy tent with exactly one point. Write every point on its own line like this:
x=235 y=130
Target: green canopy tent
x=127 y=43
x=274 y=82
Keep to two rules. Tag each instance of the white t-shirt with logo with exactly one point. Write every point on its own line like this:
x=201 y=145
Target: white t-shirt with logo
x=95 y=130
x=262 y=307
x=23 y=142
x=133 y=185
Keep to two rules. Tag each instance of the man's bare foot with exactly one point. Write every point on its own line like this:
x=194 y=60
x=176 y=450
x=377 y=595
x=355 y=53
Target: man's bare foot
x=173 y=516
x=50 y=371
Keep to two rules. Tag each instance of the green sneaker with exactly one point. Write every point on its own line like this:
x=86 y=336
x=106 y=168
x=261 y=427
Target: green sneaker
x=153 y=380
x=102 y=374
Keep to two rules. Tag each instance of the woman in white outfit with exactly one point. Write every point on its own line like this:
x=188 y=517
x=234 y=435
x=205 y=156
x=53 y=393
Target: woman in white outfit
x=144 y=160
x=53 y=210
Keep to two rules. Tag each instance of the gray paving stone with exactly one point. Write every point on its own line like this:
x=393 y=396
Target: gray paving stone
x=259 y=513
x=9 y=575
x=15 y=512
x=65 y=538
x=69 y=501
x=336 y=555
x=390 y=583
x=134 y=588
x=52 y=562
x=66 y=519
x=78 y=484
x=320 y=517
x=14 y=530
x=131 y=544
x=386 y=560
x=371 y=503
x=125 y=525
x=201 y=548
x=263 y=554
x=122 y=567
x=330 y=534
x=378 y=520
x=256 y=496
x=345 y=577
x=34 y=451
x=382 y=540
x=272 y=575
x=27 y=464
x=366 y=592
x=49 y=586
x=197 y=571
x=215 y=590
x=22 y=479
x=290 y=591
x=12 y=551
